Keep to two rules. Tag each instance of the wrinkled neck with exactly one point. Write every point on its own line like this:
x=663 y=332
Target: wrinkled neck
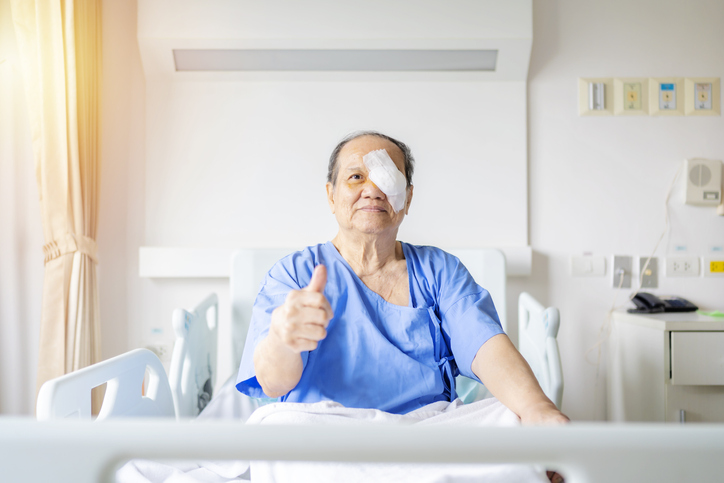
x=368 y=254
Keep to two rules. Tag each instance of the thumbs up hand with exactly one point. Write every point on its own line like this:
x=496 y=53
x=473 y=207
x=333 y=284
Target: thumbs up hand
x=319 y=280
x=301 y=322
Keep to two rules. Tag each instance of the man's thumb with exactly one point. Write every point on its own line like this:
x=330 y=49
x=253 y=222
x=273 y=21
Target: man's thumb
x=319 y=279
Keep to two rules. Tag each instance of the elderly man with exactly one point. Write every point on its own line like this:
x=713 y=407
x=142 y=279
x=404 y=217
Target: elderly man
x=369 y=321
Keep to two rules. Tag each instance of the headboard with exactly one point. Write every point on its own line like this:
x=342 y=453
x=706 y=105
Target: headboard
x=248 y=268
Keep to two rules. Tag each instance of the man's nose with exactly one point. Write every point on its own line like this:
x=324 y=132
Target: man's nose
x=371 y=190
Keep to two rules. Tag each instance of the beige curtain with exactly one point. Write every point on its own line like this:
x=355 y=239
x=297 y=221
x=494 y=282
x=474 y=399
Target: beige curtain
x=60 y=48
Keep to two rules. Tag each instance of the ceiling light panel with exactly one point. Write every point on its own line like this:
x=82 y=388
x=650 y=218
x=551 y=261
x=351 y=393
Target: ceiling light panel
x=334 y=60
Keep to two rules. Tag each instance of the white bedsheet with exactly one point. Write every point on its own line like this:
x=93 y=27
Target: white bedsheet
x=231 y=404
x=488 y=412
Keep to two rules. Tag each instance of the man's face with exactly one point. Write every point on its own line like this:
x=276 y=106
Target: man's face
x=357 y=203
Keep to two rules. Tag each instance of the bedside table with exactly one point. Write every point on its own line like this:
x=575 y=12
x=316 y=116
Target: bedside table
x=666 y=367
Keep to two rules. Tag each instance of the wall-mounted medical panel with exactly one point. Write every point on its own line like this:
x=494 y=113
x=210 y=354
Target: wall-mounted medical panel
x=666 y=96
x=631 y=96
x=702 y=96
x=641 y=96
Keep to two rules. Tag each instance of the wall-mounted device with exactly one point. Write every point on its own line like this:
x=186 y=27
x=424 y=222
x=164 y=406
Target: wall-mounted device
x=703 y=182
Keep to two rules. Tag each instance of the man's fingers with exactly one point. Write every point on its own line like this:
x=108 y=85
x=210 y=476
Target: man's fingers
x=298 y=299
x=319 y=280
x=310 y=315
x=302 y=321
x=312 y=332
x=304 y=345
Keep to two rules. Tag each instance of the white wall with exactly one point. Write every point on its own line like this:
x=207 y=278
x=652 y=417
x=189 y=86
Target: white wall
x=21 y=236
x=598 y=184
x=122 y=195
x=243 y=164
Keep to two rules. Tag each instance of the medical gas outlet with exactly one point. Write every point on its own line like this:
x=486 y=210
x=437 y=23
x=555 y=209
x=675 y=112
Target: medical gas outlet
x=702 y=96
x=631 y=97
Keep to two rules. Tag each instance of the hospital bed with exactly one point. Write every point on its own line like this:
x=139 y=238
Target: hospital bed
x=193 y=368
x=80 y=451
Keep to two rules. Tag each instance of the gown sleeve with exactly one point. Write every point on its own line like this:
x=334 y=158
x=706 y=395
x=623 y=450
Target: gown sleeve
x=467 y=313
x=281 y=279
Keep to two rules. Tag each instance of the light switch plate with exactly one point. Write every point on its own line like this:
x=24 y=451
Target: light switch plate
x=584 y=90
x=703 y=96
x=650 y=277
x=666 y=96
x=631 y=96
x=588 y=266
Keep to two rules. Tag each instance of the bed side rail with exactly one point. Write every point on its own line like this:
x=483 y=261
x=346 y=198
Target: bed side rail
x=69 y=396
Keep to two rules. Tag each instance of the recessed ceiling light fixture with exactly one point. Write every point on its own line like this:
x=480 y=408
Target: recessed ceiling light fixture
x=334 y=60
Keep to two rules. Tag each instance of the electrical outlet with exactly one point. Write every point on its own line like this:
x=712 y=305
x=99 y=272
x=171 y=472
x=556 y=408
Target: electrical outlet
x=650 y=277
x=622 y=266
x=714 y=267
x=682 y=266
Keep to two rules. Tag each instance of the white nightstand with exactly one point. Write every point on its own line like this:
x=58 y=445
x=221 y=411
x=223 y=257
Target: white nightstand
x=666 y=367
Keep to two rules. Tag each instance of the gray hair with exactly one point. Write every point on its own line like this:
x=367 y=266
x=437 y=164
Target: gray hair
x=333 y=169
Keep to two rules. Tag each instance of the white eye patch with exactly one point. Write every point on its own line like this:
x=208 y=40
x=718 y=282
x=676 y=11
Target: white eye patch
x=387 y=177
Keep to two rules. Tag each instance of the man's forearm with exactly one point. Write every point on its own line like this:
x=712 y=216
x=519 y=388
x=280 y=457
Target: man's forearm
x=508 y=377
x=278 y=369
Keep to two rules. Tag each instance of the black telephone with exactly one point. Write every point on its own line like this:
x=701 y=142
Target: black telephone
x=647 y=303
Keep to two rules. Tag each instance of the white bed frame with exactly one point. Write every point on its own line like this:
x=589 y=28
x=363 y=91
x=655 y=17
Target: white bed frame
x=69 y=396
x=85 y=452
x=192 y=374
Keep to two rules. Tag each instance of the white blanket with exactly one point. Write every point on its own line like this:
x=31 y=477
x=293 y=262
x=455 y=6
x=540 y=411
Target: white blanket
x=230 y=403
x=488 y=412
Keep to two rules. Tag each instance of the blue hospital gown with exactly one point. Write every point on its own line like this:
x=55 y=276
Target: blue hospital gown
x=377 y=354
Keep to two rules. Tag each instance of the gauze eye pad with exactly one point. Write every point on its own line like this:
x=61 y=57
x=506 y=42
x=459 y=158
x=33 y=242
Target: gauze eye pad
x=387 y=177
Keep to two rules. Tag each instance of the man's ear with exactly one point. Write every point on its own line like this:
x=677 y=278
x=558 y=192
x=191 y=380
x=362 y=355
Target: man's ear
x=409 y=199
x=330 y=196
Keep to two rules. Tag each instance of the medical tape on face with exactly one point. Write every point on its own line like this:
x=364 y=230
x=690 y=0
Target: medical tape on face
x=387 y=177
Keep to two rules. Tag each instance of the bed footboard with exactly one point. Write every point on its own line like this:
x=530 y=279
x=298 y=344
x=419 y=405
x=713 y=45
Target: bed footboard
x=80 y=452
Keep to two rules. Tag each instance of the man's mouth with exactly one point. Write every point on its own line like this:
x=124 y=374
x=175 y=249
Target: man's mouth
x=373 y=209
